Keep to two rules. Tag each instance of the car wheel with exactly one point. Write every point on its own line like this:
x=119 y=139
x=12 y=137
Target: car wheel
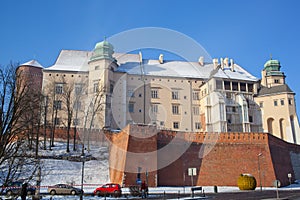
x=98 y=193
x=73 y=192
x=9 y=193
x=52 y=192
x=116 y=193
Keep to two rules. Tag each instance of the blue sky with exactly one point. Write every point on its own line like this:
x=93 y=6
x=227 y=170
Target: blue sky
x=247 y=31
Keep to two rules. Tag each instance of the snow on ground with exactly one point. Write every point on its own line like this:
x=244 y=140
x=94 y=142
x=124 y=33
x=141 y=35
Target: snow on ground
x=96 y=173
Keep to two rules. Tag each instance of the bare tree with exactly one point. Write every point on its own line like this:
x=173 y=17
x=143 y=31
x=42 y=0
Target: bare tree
x=15 y=98
x=94 y=109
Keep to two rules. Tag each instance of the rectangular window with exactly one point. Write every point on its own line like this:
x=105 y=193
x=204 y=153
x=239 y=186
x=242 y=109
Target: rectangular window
x=131 y=107
x=243 y=87
x=276 y=80
x=111 y=87
x=250 y=87
x=162 y=123
x=219 y=85
x=96 y=87
x=57 y=105
x=282 y=102
x=227 y=85
x=57 y=121
x=290 y=101
x=154 y=108
x=196 y=95
x=175 y=109
x=176 y=125
x=175 y=95
x=154 y=94
x=197 y=125
x=58 y=88
x=250 y=119
x=77 y=105
x=275 y=103
x=78 y=89
x=196 y=110
x=235 y=86
x=130 y=93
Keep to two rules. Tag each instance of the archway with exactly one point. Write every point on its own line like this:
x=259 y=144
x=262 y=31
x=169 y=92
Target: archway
x=270 y=125
x=293 y=128
x=281 y=126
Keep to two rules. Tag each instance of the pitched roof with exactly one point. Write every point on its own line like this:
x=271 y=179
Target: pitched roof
x=72 y=60
x=32 y=63
x=274 y=90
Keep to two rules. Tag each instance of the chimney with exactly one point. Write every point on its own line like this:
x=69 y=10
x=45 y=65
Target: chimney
x=161 y=59
x=226 y=62
x=215 y=62
x=232 y=65
x=201 y=60
x=222 y=63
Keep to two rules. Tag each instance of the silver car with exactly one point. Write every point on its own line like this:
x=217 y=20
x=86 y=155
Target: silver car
x=64 y=189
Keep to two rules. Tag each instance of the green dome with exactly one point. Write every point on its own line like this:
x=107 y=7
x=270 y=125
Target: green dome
x=104 y=44
x=272 y=67
x=103 y=50
x=271 y=62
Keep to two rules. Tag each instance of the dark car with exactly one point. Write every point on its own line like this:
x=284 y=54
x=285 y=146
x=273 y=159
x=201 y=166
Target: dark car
x=15 y=188
x=64 y=189
x=109 y=189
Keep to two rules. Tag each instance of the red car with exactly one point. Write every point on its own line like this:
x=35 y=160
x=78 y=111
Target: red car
x=109 y=189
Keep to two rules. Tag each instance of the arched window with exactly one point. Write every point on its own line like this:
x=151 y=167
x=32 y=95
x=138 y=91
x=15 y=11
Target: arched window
x=293 y=128
x=281 y=126
x=270 y=125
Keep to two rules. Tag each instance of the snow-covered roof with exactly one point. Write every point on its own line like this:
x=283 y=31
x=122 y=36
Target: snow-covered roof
x=71 y=60
x=32 y=63
x=238 y=74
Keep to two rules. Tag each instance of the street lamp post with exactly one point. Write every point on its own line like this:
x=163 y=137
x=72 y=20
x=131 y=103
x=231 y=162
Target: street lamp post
x=260 y=154
x=82 y=176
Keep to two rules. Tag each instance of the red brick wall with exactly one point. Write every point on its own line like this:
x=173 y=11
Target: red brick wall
x=218 y=158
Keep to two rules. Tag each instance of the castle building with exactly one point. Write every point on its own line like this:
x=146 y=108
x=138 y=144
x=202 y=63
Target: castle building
x=110 y=90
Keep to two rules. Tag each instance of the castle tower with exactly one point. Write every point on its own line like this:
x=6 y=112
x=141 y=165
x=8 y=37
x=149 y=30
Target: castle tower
x=277 y=103
x=101 y=67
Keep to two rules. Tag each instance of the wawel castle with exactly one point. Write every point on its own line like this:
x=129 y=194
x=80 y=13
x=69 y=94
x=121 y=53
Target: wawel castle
x=103 y=89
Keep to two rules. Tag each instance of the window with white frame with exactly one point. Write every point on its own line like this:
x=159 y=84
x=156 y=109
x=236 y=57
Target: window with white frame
x=197 y=125
x=196 y=110
x=154 y=108
x=154 y=93
x=58 y=88
x=176 y=125
x=131 y=107
x=196 y=95
x=175 y=94
x=175 y=109
x=57 y=104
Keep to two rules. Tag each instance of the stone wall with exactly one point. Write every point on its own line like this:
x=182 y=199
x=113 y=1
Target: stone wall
x=218 y=158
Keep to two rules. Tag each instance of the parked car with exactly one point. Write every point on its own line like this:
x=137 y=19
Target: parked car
x=111 y=189
x=15 y=188
x=64 y=189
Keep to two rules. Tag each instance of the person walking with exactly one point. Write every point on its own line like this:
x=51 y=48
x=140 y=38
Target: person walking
x=24 y=191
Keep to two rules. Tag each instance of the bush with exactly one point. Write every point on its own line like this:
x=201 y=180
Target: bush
x=246 y=182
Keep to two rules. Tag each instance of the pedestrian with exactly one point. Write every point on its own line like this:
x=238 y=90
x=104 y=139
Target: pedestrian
x=144 y=190
x=24 y=191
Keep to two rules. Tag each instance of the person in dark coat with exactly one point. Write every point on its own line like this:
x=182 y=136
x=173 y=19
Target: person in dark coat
x=144 y=190
x=24 y=191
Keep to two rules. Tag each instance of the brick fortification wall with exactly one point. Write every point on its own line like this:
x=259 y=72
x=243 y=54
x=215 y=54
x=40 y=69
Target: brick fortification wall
x=218 y=158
